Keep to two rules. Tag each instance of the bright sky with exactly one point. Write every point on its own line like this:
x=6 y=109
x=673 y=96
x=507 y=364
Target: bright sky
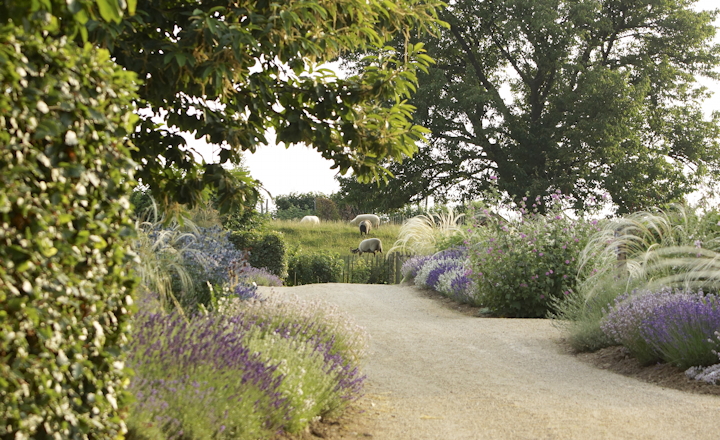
x=301 y=169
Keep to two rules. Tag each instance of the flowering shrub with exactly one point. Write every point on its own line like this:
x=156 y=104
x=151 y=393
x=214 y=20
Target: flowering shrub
x=260 y=277
x=521 y=266
x=249 y=371
x=412 y=265
x=446 y=272
x=673 y=326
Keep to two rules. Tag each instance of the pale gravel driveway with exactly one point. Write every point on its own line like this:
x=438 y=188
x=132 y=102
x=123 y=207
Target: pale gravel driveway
x=434 y=373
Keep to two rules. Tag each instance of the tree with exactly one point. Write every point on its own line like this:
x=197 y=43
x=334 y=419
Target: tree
x=582 y=96
x=231 y=71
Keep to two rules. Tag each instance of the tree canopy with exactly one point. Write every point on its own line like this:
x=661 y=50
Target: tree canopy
x=230 y=71
x=582 y=96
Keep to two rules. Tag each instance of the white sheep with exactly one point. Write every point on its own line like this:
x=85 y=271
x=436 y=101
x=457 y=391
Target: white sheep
x=372 y=218
x=312 y=219
x=365 y=227
x=369 y=245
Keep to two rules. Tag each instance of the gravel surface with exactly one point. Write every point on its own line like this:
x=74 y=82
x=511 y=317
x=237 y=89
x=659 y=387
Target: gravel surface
x=436 y=373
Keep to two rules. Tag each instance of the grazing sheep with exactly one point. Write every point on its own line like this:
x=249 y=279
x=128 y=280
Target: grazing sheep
x=365 y=227
x=369 y=245
x=372 y=218
x=312 y=219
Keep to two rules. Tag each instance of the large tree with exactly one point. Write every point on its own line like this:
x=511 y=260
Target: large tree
x=229 y=71
x=582 y=96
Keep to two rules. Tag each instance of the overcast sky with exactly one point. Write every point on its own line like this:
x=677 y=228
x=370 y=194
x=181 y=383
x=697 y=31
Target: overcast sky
x=302 y=169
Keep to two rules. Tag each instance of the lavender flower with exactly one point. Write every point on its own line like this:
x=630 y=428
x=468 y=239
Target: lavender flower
x=673 y=326
x=681 y=329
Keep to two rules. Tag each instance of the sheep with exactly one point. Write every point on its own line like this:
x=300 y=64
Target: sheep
x=365 y=227
x=369 y=245
x=312 y=219
x=375 y=220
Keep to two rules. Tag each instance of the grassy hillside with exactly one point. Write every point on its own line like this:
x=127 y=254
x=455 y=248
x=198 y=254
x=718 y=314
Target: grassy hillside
x=338 y=237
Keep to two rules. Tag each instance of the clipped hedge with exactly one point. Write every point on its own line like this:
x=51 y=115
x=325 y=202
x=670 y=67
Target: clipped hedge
x=267 y=250
x=309 y=268
x=65 y=277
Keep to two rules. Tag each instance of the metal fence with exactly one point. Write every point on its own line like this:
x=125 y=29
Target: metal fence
x=373 y=269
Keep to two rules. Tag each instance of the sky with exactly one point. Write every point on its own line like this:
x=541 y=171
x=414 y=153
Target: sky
x=301 y=169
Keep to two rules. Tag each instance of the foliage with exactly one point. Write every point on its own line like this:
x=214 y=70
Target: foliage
x=292 y=213
x=426 y=234
x=412 y=265
x=265 y=250
x=673 y=326
x=604 y=97
x=304 y=201
x=326 y=209
x=65 y=279
x=313 y=267
x=521 y=266
x=257 y=368
x=230 y=72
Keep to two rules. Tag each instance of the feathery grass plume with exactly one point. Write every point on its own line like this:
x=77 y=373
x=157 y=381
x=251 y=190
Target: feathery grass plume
x=579 y=317
x=423 y=234
x=161 y=252
x=655 y=247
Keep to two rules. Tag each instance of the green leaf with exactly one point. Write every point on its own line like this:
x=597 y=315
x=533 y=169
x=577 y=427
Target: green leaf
x=110 y=10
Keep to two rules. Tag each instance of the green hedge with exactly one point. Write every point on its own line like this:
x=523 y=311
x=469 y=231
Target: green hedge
x=65 y=277
x=309 y=268
x=267 y=250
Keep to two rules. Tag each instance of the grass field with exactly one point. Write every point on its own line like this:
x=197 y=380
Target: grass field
x=337 y=237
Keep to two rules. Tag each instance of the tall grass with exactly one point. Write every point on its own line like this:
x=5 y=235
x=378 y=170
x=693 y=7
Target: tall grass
x=675 y=247
x=428 y=233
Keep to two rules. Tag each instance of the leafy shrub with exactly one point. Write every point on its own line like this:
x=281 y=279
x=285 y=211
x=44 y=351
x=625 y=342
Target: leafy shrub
x=326 y=209
x=266 y=250
x=521 y=266
x=309 y=268
x=65 y=278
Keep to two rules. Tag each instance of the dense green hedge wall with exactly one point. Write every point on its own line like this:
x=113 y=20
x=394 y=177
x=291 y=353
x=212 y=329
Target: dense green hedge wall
x=268 y=250
x=309 y=268
x=65 y=280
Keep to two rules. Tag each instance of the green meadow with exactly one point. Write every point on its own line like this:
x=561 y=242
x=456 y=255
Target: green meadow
x=331 y=236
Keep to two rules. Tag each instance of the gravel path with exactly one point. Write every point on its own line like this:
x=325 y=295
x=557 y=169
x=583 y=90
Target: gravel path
x=434 y=373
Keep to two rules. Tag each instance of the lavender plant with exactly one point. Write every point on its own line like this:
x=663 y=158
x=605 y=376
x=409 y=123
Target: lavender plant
x=411 y=266
x=522 y=265
x=198 y=379
x=681 y=329
x=247 y=371
x=623 y=321
x=675 y=326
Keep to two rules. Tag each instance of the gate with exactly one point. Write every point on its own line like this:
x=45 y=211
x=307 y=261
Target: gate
x=373 y=269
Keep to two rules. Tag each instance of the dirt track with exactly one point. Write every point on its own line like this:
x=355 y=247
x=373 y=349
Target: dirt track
x=434 y=373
